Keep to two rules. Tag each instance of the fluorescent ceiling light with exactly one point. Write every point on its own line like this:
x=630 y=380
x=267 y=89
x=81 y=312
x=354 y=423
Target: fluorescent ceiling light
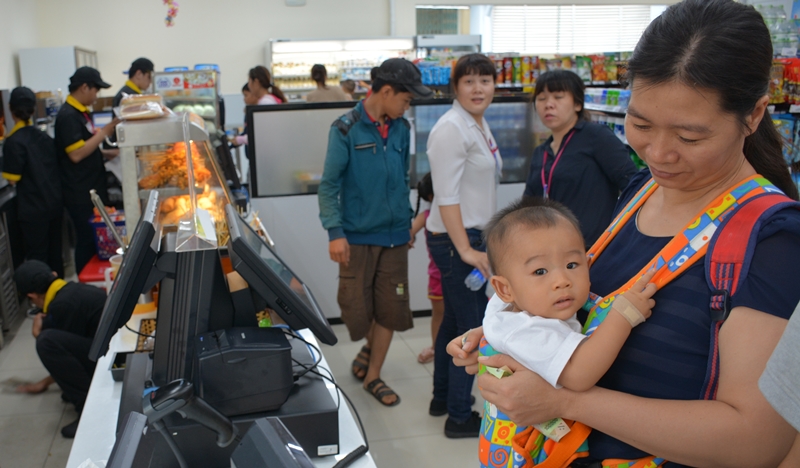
x=379 y=44
x=306 y=46
x=442 y=7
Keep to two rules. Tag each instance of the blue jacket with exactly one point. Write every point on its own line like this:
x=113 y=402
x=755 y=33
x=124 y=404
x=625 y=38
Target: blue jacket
x=364 y=191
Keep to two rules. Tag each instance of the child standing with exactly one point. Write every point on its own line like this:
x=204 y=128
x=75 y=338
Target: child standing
x=425 y=192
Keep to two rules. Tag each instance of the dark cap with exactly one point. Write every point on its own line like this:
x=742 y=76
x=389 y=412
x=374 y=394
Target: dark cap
x=402 y=72
x=33 y=276
x=21 y=97
x=88 y=75
x=141 y=64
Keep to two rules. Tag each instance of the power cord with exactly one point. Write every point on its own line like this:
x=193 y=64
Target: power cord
x=359 y=451
x=138 y=333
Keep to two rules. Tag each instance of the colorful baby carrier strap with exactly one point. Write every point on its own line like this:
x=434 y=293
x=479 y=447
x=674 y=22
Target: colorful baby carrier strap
x=729 y=226
x=683 y=251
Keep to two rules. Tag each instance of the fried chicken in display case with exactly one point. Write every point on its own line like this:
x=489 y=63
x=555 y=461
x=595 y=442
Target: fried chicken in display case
x=173 y=156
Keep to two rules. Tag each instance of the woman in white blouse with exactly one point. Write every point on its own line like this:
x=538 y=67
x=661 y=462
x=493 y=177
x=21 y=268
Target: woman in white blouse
x=465 y=167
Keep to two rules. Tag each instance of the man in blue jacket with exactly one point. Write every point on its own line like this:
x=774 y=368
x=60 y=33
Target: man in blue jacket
x=364 y=205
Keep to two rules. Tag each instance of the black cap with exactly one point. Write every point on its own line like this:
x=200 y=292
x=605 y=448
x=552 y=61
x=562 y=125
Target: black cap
x=21 y=97
x=88 y=75
x=141 y=64
x=402 y=72
x=33 y=276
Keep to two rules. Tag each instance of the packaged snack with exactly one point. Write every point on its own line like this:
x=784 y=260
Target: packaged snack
x=141 y=106
x=611 y=68
x=776 y=83
x=498 y=65
x=526 y=70
x=508 y=71
x=599 y=74
x=583 y=67
x=555 y=64
x=784 y=123
x=517 y=63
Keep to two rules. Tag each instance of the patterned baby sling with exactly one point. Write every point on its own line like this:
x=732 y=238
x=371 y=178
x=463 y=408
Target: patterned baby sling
x=727 y=228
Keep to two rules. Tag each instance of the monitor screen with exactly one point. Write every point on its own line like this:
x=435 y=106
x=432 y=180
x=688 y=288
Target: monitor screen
x=131 y=278
x=271 y=279
x=101 y=119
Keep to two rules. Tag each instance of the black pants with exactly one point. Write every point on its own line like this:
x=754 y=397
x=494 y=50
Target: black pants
x=65 y=355
x=85 y=248
x=42 y=241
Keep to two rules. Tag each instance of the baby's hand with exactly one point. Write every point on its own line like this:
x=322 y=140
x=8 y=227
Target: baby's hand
x=640 y=297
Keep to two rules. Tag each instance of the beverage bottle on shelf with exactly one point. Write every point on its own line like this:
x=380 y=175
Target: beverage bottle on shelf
x=475 y=280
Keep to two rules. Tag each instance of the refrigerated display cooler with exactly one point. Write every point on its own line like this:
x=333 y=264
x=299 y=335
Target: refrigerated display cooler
x=345 y=59
x=447 y=45
x=195 y=91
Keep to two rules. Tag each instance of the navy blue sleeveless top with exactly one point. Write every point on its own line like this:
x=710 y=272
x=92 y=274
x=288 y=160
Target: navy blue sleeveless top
x=666 y=356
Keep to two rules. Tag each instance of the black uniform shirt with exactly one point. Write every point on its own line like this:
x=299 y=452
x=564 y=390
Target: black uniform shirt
x=130 y=88
x=73 y=129
x=75 y=308
x=30 y=159
x=594 y=168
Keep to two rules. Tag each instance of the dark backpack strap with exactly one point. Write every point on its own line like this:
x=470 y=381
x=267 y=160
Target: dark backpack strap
x=728 y=259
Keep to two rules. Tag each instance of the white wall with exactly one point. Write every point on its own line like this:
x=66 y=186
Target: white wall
x=231 y=34
x=17 y=31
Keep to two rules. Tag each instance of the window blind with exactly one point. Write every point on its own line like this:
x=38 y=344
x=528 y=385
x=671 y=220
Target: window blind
x=568 y=29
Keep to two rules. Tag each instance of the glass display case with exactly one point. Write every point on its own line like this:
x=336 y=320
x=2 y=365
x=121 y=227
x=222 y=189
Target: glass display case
x=345 y=59
x=173 y=156
x=195 y=91
x=290 y=166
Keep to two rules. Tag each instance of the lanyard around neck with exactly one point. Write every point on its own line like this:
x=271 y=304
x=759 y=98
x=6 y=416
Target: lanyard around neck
x=547 y=183
x=492 y=149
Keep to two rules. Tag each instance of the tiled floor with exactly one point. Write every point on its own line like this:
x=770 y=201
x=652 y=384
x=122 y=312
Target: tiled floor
x=30 y=424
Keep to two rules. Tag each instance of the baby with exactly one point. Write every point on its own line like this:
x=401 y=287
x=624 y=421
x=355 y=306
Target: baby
x=541 y=279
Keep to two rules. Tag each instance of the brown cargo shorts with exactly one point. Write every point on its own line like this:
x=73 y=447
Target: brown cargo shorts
x=374 y=286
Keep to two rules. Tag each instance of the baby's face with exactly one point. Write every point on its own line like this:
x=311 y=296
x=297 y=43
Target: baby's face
x=547 y=271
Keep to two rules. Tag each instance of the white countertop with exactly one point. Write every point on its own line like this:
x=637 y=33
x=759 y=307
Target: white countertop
x=96 y=431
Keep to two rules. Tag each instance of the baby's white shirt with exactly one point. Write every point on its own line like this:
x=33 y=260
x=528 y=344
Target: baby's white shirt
x=543 y=345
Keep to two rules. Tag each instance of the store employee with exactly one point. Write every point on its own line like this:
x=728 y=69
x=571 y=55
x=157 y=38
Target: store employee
x=140 y=76
x=81 y=160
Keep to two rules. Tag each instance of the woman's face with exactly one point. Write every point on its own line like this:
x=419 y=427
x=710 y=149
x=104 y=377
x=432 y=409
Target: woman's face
x=475 y=92
x=683 y=135
x=557 y=109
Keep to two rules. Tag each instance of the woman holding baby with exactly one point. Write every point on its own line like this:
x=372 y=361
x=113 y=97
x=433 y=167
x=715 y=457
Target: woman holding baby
x=698 y=117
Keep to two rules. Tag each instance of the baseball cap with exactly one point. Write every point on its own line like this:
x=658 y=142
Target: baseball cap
x=21 y=97
x=88 y=75
x=402 y=72
x=33 y=276
x=142 y=64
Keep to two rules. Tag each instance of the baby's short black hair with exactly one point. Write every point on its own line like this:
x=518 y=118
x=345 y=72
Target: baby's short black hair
x=530 y=212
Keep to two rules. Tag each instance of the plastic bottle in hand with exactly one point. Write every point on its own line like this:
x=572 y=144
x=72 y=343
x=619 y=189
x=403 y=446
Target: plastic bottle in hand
x=475 y=280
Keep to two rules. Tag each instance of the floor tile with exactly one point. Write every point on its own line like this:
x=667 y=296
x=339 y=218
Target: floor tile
x=12 y=403
x=425 y=452
x=26 y=439
x=20 y=352
x=59 y=450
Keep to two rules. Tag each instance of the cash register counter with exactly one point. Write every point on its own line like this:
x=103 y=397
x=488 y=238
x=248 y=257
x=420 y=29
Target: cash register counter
x=96 y=432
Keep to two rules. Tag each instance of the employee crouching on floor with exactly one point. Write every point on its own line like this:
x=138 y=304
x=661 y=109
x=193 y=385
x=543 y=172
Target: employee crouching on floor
x=64 y=332
x=364 y=205
x=30 y=162
x=81 y=158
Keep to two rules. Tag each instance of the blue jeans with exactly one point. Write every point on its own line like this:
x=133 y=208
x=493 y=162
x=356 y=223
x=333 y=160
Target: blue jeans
x=463 y=310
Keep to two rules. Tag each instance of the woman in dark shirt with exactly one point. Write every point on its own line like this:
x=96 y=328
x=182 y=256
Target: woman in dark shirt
x=583 y=164
x=698 y=117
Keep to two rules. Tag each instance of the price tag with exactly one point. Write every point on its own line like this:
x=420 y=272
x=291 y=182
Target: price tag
x=794 y=108
x=771 y=109
x=789 y=51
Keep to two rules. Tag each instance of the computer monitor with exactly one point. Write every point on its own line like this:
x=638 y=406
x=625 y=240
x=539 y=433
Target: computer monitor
x=101 y=119
x=271 y=279
x=131 y=278
x=127 y=442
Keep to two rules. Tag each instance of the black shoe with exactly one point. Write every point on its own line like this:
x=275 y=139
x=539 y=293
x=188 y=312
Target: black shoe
x=469 y=428
x=439 y=408
x=70 y=429
x=33 y=311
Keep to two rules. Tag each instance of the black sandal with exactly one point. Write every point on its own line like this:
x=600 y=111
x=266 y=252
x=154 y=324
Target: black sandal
x=379 y=389
x=360 y=364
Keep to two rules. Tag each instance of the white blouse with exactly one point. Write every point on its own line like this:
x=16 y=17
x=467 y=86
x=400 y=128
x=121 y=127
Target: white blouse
x=465 y=167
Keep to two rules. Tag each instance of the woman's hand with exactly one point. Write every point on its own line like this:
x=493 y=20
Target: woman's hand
x=524 y=396
x=477 y=259
x=465 y=352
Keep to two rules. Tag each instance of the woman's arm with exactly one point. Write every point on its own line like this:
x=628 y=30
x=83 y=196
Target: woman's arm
x=739 y=429
x=451 y=217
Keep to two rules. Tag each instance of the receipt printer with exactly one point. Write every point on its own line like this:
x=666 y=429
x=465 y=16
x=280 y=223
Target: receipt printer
x=244 y=370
